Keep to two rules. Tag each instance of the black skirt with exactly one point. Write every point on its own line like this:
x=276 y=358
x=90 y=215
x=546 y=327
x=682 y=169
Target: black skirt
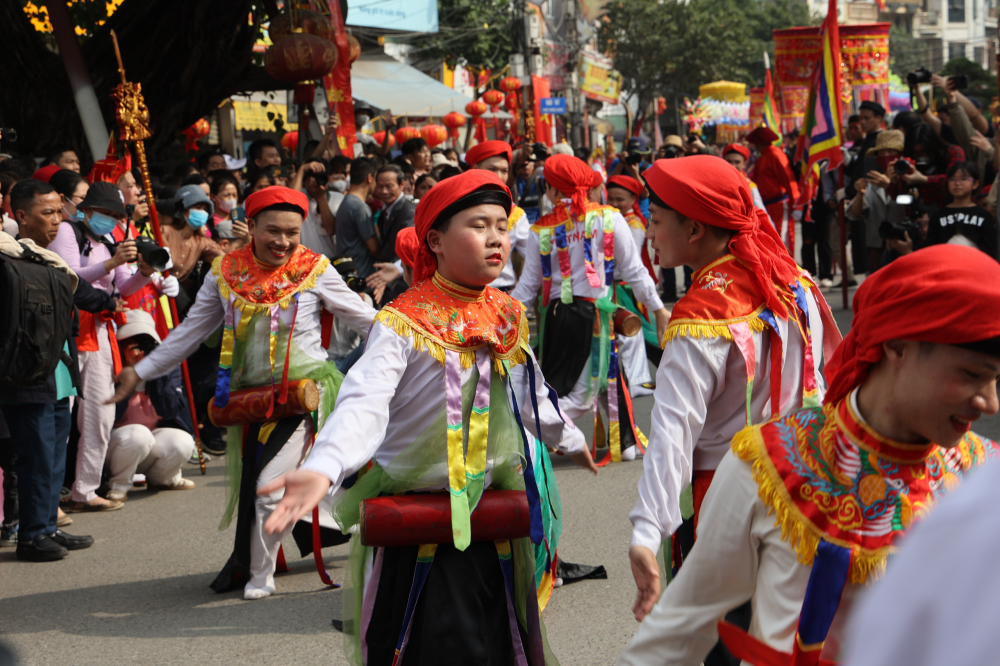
x=566 y=343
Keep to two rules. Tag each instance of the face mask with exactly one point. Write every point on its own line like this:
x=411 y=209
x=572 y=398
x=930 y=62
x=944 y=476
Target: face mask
x=226 y=205
x=79 y=216
x=338 y=185
x=197 y=218
x=363 y=120
x=101 y=224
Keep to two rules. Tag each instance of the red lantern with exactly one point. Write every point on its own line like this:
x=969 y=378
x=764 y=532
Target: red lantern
x=433 y=134
x=354 y=47
x=511 y=102
x=510 y=84
x=310 y=22
x=494 y=98
x=404 y=134
x=290 y=141
x=475 y=109
x=300 y=57
x=197 y=131
x=380 y=137
x=453 y=121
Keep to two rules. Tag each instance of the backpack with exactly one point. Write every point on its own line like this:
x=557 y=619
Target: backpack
x=36 y=316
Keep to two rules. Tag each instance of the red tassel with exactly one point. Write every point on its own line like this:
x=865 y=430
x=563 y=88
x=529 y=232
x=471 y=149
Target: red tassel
x=281 y=566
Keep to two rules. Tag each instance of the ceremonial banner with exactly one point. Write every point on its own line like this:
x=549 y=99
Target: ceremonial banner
x=769 y=110
x=756 y=107
x=338 y=85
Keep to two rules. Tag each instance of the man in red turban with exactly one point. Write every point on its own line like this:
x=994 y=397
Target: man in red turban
x=496 y=156
x=739 y=156
x=448 y=355
x=270 y=296
x=777 y=184
x=575 y=255
x=806 y=509
x=745 y=345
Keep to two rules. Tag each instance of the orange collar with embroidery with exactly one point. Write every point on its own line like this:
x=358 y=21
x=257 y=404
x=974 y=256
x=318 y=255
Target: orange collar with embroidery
x=827 y=475
x=634 y=220
x=516 y=213
x=258 y=284
x=560 y=215
x=439 y=314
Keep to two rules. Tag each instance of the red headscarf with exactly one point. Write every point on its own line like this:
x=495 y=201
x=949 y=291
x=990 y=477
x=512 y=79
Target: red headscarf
x=708 y=189
x=947 y=294
x=407 y=246
x=275 y=194
x=436 y=201
x=737 y=148
x=487 y=149
x=632 y=185
x=46 y=172
x=570 y=175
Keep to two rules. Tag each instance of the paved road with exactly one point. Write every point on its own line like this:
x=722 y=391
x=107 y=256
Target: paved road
x=140 y=594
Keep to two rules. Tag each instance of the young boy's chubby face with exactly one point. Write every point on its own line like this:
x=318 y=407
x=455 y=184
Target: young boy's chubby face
x=621 y=199
x=671 y=236
x=474 y=246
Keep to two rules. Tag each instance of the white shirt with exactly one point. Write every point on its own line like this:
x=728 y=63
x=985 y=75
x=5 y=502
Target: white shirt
x=940 y=597
x=739 y=555
x=518 y=243
x=314 y=235
x=700 y=404
x=628 y=266
x=207 y=314
x=394 y=393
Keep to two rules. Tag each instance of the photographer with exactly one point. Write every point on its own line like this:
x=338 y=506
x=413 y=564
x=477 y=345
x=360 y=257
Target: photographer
x=962 y=217
x=672 y=148
x=910 y=242
x=932 y=156
x=320 y=224
x=527 y=185
x=875 y=201
x=633 y=160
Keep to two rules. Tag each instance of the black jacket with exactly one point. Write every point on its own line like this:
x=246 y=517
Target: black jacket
x=401 y=217
x=166 y=394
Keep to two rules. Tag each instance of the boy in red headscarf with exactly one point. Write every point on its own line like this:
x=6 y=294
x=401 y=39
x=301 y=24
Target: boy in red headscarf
x=777 y=184
x=575 y=253
x=270 y=295
x=739 y=156
x=437 y=403
x=805 y=510
x=744 y=345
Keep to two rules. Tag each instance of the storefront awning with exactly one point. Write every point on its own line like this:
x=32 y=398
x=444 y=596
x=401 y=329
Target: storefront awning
x=387 y=83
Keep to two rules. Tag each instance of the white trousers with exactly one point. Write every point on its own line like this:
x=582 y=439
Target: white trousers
x=94 y=418
x=632 y=356
x=263 y=546
x=159 y=454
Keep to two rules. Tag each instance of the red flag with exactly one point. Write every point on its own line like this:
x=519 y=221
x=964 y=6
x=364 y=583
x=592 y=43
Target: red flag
x=338 y=85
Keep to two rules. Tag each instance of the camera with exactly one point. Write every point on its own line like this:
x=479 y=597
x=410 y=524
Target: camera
x=8 y=134
x=634 y=158
x=901 y=167
x=345 y=266
x=152 y=254
x=672 y=152
x=898 y=224
x=321 y=177
x=539 y=151
x=129 y=210
x=919 y=75
x=960 y=82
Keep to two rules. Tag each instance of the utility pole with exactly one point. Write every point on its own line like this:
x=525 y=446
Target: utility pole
x=572 y=90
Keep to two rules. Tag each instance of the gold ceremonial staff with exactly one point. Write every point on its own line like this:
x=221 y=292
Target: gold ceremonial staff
x=133 y=121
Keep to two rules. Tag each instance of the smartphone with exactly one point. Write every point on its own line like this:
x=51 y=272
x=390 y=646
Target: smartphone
x=871 y=164
x=238 y=214
x=960 y=82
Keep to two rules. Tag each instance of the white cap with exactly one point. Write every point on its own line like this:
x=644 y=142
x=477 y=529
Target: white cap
x=138 y=322
x=234 y=164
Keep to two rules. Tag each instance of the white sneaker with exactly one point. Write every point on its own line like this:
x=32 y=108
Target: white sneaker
x=251 y=593
x=117 y=495
x=629 y=453
x=825 y=283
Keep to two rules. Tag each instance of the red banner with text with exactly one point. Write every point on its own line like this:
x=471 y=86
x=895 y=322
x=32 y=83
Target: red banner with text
x=338 y=85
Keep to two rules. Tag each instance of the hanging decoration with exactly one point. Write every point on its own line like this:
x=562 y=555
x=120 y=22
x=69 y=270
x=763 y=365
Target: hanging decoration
x=453 y=121
x=300 y=57
x=404 y=134
x=290 y=140
x=354 y=48
x=337 y=84
x=305 y=20
x=380 y=137
x=433 y=134
x=199 y=130
x=494 y=98
x=476 y=109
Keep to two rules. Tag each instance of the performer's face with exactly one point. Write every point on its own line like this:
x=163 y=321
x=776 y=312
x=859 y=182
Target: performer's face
x=939 y=390
x=474 y=248
x=621 y=199
x=275 y=235
x=671 y=235
x=736 y=160
x=498 y=164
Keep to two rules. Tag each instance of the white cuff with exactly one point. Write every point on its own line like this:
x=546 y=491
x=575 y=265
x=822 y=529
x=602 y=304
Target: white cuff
x=575 y=442
x=645 y=533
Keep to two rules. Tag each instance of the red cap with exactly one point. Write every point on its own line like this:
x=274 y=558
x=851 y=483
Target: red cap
x=627 y=183
x=407 y=246
x=435 y=202
x=597 y=179
x=487 y=149
x=762 y=136
x=274 y=195
x=46 y=172
x=737 y=148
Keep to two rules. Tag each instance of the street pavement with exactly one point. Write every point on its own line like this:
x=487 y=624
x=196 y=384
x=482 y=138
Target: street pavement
x=141 y=595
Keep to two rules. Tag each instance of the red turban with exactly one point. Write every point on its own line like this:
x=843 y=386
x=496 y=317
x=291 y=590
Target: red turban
x=762 y=136
x=632 y=185
x=273 y=196
x=450 y=196
x=709 y=190
x=571 y=176
x=737 y=148
x=946 y=294
x=46 y=172
x=487 y=149
x=596 y=180
x=407 y=247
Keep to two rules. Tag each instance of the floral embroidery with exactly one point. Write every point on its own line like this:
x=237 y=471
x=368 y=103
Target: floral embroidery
x=715 y=281
x=440 y=315
x=827 y=475
x=257 y=284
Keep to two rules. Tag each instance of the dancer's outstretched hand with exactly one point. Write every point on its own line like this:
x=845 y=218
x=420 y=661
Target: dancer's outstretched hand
x=647 y=580
x=303 y=491
x=584 y=460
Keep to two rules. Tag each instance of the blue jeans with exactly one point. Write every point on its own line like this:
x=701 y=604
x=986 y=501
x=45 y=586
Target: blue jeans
x=40 y=433
x=345 y=364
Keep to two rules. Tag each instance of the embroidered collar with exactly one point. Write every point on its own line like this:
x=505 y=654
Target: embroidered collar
x=828 y=476
x=257 y=285
x=438 y=315
x=634 y=220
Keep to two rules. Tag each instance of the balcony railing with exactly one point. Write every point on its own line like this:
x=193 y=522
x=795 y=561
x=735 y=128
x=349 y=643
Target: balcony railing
x=862 y=12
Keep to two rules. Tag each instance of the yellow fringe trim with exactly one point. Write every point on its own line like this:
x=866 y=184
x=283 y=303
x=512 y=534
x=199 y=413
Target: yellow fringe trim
x=707 y=328
x=798 y=531
x=249 y=308
x=403 y=326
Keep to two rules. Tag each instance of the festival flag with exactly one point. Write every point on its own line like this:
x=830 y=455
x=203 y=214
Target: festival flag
x=770 y=117
x=822 y=135
x=881 y=5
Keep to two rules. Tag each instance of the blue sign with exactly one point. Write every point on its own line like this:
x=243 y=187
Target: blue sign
x=554 y=106
x=395 y=15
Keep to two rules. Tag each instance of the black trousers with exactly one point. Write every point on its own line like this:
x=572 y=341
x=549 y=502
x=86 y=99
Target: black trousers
x=816 y=240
